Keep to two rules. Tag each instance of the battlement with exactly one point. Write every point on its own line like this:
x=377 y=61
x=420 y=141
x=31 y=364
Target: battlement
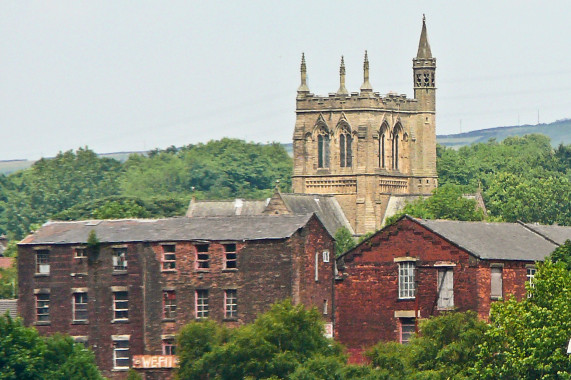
x=357 y=101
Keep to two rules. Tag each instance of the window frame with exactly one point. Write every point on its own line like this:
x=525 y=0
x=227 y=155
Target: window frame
x=201 y=303
x=125 y=349
x=169 y=257
x=42 y=307
x=169 y=304
x=118 y=312
x=499 y=277
x=43 y=267
x=169 y=346
x=406 y=279
x=445 y=273
x=530 y=276
x=230 y=303
x=202 y=263
x=323 y=141
x=78 y=250
x=85 y=305
x=230 y=256
x=345 y=150
x=325 y=255
x=119 y=259
x=407 y=329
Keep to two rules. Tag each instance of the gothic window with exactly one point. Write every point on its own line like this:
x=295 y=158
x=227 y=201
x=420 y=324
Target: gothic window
x=345 y=151
x=382 y=146
x=323 y=151
x=432 y=79
x=426 y=80
x=395 y=158
x=418 y=80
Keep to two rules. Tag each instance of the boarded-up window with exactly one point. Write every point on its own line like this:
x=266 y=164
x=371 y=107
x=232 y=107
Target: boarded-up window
x=445 y=288
x=496 y=291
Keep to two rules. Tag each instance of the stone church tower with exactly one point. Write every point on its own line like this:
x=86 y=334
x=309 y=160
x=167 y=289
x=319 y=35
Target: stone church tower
x=372 y=152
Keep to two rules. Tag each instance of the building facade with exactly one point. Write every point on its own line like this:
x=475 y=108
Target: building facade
x=415 y=269
x=370 y=151
x=128 y=295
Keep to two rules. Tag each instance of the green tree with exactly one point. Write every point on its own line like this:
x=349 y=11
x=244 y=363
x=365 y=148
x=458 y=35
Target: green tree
x=25 y=355
x=344 y=241
x=274 y=345
x=528 y=339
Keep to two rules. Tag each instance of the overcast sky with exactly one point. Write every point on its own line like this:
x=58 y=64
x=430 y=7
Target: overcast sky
x=136 y=75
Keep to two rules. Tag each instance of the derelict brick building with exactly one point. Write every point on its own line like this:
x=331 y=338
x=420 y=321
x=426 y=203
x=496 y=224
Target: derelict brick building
x=130 y=294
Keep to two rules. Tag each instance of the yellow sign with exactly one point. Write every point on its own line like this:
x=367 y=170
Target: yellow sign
x=155 y=361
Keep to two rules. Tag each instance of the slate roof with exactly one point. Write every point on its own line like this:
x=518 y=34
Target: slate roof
x=225 y=208
x=233 y=228
x=502 y=241
x=325 y=207
x=557 y=234
x=10 y=306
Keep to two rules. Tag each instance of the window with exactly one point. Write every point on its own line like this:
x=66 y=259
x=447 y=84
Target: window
x=119 y=259
x=530 y=277
x=445 y=288
x=202 y=257
x=231 y=303
x=230 y=261
x=121 y=356
x=323 y=151
x=407 y=329
x=406 y=279
x=80 y=252
x=43 y=261
x=201 y=303
x=496 y=283
x=169 y=347
x=83 y=340
x=169 y=257
x=395 y=151
x=169 y=304
x=325 y=307
x=325 y=256
x=80 y=306
x=120 y=305
x=345 y=151
x=43 y=307
x=382 y=152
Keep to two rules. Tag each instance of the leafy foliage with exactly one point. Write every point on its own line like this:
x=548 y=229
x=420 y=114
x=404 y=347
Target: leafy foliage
x=445 y=349
x=274 y=345
x=344 y=241
x=24 y=355
x=9 y=282
x=528 y=339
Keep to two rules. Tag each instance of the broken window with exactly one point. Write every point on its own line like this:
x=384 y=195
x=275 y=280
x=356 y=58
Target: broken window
x=445 y=288
x=407 y=329
x=406 y=279
x=202 y=256
x=496 y=283
x=119 y=259
x=120 y=305
x=43 y=307
x=169 y=256
x=169 y=304
x=80 y=306
x=43 y=261
x=230 y=259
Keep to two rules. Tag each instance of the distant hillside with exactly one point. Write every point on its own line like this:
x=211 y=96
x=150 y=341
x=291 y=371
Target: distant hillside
x=558 y=131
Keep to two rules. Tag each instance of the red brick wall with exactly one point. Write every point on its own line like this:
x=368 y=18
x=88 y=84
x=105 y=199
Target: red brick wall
x=367 y=294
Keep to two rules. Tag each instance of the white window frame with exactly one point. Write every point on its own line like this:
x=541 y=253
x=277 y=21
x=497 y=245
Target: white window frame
x=79 y=307
x=169 y=308
x=43 y=261
x=230 y=303
x=405 y=332
x=121 y=351
x=119 y=259
x=325 y=256
x=406 y=279
x=230 y=256
x=80 y=252
x=169 y=346
x=530 y=276
x=201 y=307
x=119 y=310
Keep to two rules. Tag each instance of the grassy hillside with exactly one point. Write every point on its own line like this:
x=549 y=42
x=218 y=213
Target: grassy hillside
x=558 y=131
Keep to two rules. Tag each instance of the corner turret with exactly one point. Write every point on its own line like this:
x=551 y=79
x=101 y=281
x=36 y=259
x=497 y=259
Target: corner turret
x=303 y=90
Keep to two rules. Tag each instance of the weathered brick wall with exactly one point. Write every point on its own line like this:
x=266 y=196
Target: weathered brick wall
x=367 y=295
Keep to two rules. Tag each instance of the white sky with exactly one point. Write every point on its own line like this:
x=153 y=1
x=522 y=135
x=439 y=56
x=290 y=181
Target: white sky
x=135 y=75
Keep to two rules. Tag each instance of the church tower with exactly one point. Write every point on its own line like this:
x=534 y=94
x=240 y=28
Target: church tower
x=372 y=152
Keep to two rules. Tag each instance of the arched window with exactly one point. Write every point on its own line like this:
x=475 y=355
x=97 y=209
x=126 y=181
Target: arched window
x=323 y=151
x=345 y=151
x=382 y=146
x=397 y=131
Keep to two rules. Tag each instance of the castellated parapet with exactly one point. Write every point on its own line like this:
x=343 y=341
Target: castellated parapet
x=369 y=150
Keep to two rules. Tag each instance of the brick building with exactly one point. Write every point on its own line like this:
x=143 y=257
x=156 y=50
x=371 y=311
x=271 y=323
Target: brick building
x=417 y=268
x=372 y=152
x=131 y=293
